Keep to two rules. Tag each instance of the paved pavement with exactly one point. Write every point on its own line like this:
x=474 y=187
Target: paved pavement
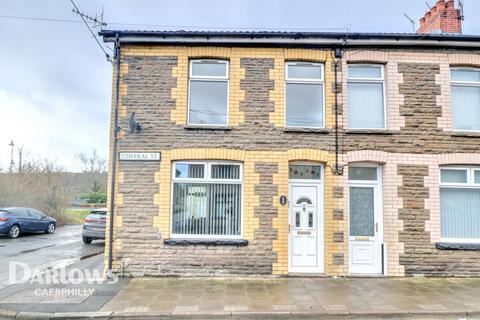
x=297 y=296
x=213 y=298
x=284 y=298
x=43 y=251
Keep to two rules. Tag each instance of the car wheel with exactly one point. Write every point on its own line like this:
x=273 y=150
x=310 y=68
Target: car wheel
x=50 y=228
x=14 y=231
x=87 y=240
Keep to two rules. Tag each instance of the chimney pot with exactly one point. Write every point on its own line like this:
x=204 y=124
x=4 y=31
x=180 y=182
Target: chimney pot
x=440 y=5
x=422 y=21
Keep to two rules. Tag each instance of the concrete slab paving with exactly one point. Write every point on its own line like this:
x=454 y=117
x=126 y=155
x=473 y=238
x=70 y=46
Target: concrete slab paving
x=280 y=298
x=350 y=296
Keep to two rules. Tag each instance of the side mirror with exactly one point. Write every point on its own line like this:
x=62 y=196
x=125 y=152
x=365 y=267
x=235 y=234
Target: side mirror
x=43 y=217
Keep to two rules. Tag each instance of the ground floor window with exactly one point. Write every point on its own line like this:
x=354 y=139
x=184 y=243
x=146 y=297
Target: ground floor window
x=460 y=204
x=207 y=199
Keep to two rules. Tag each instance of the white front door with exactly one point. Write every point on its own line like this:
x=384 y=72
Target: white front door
x=306 y=228
x=365 y=242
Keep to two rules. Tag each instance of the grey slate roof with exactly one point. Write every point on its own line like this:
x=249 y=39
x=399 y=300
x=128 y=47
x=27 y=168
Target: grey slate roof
x=293 y=38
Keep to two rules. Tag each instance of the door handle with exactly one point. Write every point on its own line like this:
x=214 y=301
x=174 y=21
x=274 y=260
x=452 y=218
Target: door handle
x=289 y=227
x=376 y=227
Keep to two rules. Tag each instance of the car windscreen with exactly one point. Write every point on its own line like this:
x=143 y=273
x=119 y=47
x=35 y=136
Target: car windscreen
x=100 y=213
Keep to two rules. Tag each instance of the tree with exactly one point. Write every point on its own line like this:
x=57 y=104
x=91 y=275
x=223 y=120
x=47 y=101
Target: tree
x=21 y=159
x=92 y=163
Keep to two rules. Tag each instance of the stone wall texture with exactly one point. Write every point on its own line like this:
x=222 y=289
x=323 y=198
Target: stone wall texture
x=417 y=141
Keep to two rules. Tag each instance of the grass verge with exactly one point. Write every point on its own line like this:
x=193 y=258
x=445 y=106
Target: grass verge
x=76 y=215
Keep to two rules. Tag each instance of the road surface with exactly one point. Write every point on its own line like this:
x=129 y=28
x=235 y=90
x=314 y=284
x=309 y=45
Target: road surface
x=42 y=251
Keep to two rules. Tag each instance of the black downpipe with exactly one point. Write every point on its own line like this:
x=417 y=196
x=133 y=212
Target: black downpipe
x=336 y=116
x=114 y=152
x=383 y=259
x=337 y=170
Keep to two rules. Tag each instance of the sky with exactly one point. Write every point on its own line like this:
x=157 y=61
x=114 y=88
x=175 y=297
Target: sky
x=55 y=83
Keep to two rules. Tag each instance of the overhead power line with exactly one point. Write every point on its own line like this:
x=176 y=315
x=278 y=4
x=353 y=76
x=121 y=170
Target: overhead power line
x=346 y=27
x=40 y=19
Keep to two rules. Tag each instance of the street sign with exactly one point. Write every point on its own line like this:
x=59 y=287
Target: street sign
x=139 y=156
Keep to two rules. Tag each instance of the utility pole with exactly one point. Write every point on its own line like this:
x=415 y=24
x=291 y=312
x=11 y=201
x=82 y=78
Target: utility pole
x=12 y=163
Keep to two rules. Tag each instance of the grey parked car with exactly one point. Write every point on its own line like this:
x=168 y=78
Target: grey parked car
x=94 y=225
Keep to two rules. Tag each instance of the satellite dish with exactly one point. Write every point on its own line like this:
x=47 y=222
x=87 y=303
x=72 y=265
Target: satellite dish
x=135 y=127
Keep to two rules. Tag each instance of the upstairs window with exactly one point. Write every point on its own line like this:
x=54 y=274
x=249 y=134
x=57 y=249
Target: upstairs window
x=460 y=204
x=208 y=92
x=366 y=101
x=304 y=95
x=207 y=199
x=466 y=99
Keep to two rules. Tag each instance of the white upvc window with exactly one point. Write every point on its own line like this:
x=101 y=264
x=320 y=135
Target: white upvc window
x=208 y=93
x=304 y=95
x=366 y=96
x=466 y=99
x=460 y=204
x=207 y=199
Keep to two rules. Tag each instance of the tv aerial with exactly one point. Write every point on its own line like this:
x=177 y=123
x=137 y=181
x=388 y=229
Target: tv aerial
x=460 y=10
x=412 y=21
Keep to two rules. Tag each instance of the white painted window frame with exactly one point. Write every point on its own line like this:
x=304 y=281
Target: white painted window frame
x=305 y=81
x=380 y=80
x=470 y=184
x=225 y=78
x=457 y=83
x=208 y=180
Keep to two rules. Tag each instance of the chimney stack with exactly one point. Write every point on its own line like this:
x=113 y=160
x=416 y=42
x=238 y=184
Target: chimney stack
x=442 y=18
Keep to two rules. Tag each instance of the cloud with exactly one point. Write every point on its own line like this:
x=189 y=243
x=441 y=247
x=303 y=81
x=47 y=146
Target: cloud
x=55 y=86
x=49 y=127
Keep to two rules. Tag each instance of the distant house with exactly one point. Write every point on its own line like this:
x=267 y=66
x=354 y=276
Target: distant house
x=287 y=153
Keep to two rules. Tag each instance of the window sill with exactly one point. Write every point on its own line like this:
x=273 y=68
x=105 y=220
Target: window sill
x=206 y=127
x=471 y=134
x=307 y=130
x=369 y=131
x=457 y=246
x=206 y=242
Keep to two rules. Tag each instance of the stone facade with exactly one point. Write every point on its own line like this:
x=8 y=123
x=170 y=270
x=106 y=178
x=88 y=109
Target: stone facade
x=417 y=140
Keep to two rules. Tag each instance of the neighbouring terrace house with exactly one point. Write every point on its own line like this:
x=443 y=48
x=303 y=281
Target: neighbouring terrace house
x=279 y=153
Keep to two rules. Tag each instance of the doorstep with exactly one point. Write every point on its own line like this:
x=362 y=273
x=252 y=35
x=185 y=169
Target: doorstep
x=306 y=275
